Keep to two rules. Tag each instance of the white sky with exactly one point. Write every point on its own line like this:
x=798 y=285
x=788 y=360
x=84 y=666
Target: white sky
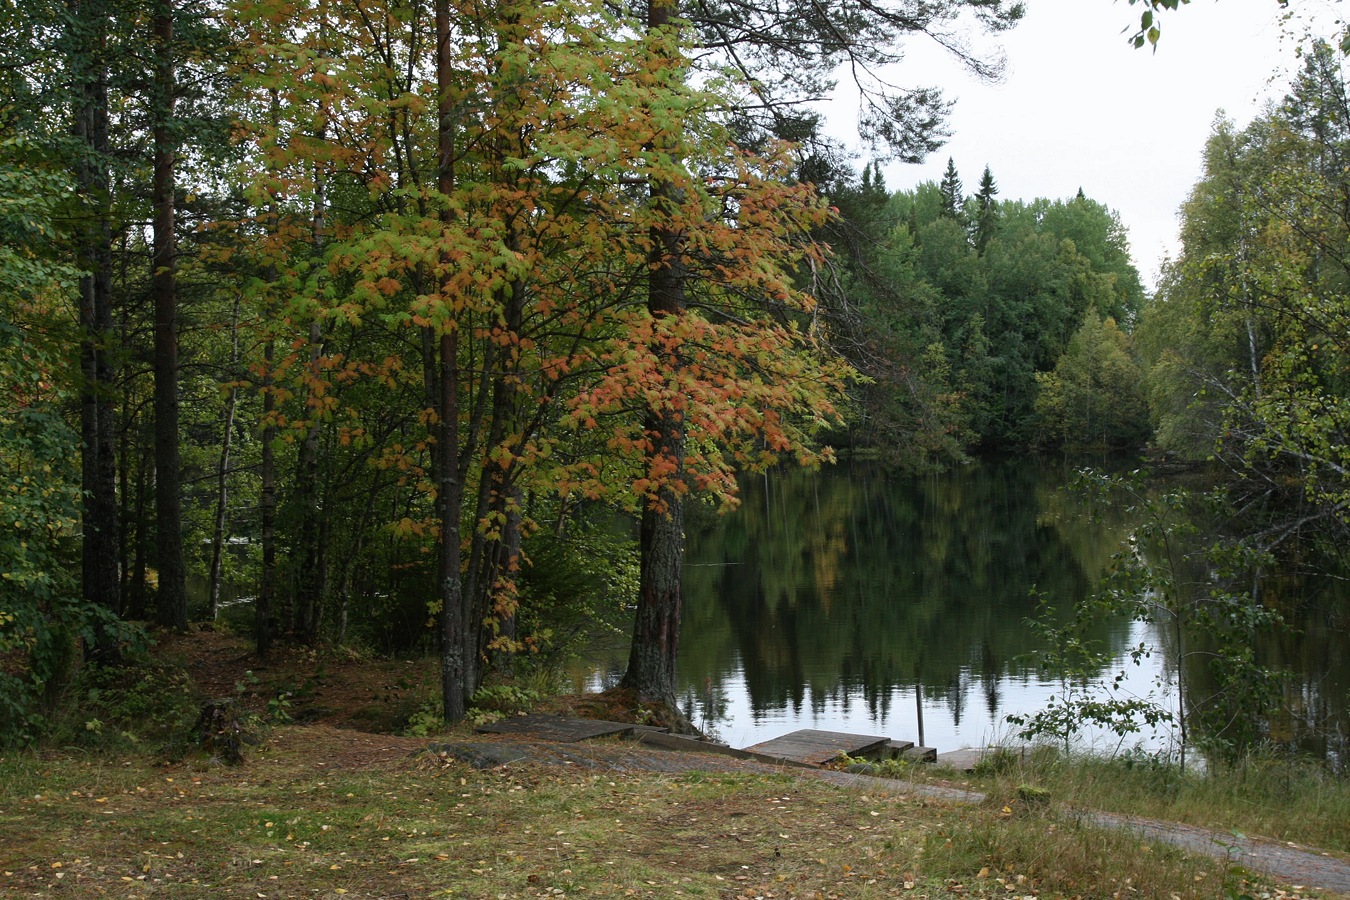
x=1080 y=107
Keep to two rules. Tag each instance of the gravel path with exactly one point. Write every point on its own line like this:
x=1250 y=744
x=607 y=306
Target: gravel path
x=1288 y=863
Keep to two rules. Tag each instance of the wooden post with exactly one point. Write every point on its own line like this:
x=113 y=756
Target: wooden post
x=918 y=708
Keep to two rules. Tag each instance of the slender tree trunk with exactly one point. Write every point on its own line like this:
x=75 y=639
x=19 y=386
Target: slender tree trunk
x=100 y=577
x=126 y=513
x=507 y=567
x=309 y=571
x=264 y=609
x=136 y=602
x=449 y=497
x=309 y=551
x=486 y=554
x=223 y=471
x=171 y=603
x=656 y=628
x=449 y=494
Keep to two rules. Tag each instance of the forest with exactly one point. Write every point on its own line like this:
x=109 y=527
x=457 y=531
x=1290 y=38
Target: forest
x=418 y=326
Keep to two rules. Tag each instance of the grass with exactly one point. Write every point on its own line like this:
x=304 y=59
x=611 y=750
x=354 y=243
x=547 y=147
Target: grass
x=322 y=812
x=1277 y=797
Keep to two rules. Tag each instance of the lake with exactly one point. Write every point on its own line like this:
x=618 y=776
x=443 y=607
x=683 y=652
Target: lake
x=853 y=599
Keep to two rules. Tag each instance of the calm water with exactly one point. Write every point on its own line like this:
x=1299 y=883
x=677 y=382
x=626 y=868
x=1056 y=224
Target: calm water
x=833 y=600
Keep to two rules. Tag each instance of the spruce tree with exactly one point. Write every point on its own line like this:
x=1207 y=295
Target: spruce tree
x=952 y=198
x=986 y=214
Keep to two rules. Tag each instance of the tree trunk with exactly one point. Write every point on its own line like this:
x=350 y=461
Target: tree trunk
x=264 y=609
x=137 y=605
x=222 y=473
x=309 y=551
x=656 y=629
x=99 y=566
x=171 y=603
x=454 y=670
x=487 y=556
x=449 y=494
x=507 y=567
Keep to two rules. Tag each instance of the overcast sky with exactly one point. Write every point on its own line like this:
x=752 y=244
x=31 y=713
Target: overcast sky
x=1079 y=107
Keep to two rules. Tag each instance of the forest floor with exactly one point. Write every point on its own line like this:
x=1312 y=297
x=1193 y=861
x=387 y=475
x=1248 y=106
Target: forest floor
x=336 y=805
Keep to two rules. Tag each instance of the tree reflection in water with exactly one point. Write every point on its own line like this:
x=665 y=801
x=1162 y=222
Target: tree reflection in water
x=827 y=596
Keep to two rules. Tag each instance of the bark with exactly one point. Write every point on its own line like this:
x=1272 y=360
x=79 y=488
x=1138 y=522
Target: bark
x=656 y=632
x=171 y=602
x=101 y=585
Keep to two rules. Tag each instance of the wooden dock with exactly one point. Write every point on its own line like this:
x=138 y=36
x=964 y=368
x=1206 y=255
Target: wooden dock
x=822 y=747
x=807 y=747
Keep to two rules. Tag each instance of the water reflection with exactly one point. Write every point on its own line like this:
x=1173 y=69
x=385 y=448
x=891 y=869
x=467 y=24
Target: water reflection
x=837 y=599
x=830 y=596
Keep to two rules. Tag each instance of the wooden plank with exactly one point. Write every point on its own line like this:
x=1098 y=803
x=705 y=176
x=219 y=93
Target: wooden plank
x=819 y=747
x=556 y=728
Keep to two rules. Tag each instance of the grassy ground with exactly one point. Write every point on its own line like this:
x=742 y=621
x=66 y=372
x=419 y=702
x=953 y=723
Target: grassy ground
x=317 y=811
x=341 y=807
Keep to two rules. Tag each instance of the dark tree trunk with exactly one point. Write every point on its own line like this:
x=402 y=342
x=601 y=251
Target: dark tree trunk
x=449 y=495
x=488 y=555
x=101 y=584
x=454 y=666
x=264 y=610
x=136 y=603
x=310 y=576
x=656 y=629
x=171 y=602
x=509 y=567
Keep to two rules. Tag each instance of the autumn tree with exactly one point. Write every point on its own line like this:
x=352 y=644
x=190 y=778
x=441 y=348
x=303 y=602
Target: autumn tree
x=751 y=40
